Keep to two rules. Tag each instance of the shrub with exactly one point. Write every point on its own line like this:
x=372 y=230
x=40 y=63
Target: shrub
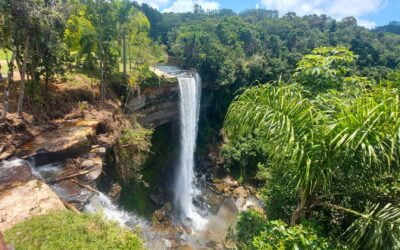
x=254 y=231
x=66 y=230
x=278 y=235
x=133 y=149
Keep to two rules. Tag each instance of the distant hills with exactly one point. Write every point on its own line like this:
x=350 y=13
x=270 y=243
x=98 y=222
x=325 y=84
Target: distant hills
x=393 y=27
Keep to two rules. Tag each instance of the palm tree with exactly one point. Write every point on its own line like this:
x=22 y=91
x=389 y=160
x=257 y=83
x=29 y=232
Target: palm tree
x=330 y=145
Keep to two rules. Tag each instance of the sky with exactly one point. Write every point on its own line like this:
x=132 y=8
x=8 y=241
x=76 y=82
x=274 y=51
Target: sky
x=369 y=13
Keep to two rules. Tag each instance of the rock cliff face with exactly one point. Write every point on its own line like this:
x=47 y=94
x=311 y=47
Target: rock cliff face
x=157 y=105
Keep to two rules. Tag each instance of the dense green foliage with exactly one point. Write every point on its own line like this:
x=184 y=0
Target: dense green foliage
x=132 y=148
x=66 y=230
x=337 y=149
x=256 y=45
x=107 y=39
x=253 y=231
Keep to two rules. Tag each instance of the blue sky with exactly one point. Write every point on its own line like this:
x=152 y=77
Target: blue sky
x=368 y=12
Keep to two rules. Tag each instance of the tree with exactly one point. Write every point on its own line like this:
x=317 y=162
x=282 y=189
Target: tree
x=329 y=145
x=325 y=68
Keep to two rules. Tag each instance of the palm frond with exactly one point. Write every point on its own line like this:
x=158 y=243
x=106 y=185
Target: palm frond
x=377 y=228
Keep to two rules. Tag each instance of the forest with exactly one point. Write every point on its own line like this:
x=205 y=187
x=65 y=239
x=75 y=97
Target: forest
x=304 y=109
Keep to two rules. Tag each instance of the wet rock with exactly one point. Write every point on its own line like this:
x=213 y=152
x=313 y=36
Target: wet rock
x=157 y=199
x=161 y=214
x=187 y=229
x=230 y=205
x=95 y=166
x=22 y=195
x=14 y=173
x=168 y=207
x=220 y=187
x=213 y=200
x=115 y=192
x=73 y=193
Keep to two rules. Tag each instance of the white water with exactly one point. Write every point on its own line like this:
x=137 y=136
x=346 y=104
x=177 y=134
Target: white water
x=101 y=203
x=185 y=190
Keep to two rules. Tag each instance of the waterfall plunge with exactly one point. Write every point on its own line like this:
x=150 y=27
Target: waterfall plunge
x=185 y=190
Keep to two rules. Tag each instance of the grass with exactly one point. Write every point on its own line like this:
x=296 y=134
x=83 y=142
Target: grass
x=66 y=230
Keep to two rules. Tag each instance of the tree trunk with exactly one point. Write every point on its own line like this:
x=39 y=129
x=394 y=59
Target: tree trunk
x=124 y=53
x=10 y=76
x=300 y=210
x=23 y=73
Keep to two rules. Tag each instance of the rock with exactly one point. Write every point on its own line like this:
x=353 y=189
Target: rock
x=240 y=192
x=115 y=191
x=213 y=200
x=230 y=205
x=71 y=138
x=229 y=181
x=14 y=173
x=22 y=195
x=168 y=207
x=156 y=105
x=240 y=203
x=95 y=165
x=185 y=247
x=157 y=199
x=73 y=193
x=213 y=245
x=175 y=243
x=160 y=214
x=5 y=155
x=187 y=229
x=98 y=150
x=220 y=187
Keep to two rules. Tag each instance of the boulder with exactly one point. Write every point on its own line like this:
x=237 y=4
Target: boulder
x=240 y=192
x=230 y=205
x=14 y=173
x=73 y=193
x=161 y=214
x=22 y=195
x=213 y=200
x=95 y=165
x=115 y=191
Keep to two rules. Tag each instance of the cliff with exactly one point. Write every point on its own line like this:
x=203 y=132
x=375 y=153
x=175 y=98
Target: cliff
x=157 y=105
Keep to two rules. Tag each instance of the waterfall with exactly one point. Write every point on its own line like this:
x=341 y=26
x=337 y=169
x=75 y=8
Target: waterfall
x=185 y=190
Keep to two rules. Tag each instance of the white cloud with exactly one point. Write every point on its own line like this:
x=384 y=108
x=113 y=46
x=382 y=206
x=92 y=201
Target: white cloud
x=180 y=6
x=365 y=23
x=334 y=8
x=155 y=3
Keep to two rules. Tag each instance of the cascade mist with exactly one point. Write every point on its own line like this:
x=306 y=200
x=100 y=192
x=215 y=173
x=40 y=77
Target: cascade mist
x=185 y=189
